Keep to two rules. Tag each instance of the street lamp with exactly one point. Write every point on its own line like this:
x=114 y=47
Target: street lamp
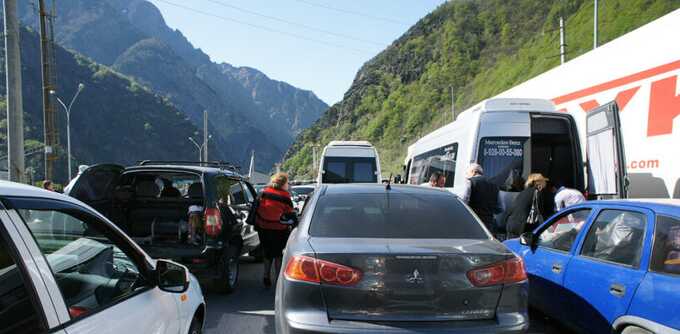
x=200 y=147
x=81 y=86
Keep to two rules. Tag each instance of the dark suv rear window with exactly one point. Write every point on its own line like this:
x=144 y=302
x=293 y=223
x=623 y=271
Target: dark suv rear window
x=411 y=216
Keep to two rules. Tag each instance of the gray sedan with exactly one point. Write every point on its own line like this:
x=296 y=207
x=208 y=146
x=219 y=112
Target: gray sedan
x=379 y=259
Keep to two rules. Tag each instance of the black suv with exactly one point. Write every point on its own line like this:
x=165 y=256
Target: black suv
x=151 y=203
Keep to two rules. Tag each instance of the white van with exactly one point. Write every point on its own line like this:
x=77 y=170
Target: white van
x=512 y=138
x=349 y=162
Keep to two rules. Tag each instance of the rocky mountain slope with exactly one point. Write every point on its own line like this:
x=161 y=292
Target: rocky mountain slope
x=132 y=37
x=115 y=119
x=478 y=49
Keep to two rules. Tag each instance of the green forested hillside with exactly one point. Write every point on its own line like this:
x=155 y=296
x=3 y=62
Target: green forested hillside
x=478 y=47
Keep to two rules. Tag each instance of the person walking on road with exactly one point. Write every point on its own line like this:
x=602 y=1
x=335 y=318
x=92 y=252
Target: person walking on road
x=274 y=204
x=526 y=211
x=482 y=196
x=566 y=197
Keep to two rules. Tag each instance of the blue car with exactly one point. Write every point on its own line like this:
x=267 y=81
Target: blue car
x=607 y=266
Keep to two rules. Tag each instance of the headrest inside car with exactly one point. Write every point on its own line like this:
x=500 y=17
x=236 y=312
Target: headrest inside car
x=195 y=190
x=147 y=189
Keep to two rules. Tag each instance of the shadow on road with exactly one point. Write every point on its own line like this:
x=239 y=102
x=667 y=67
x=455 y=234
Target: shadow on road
x=250 y=309
x=541 y=324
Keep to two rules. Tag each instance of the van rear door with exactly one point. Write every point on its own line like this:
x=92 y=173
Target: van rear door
x=605 y=156
x=95 y=186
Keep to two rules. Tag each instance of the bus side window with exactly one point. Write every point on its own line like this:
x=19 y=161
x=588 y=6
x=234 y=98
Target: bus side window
x=441 y=160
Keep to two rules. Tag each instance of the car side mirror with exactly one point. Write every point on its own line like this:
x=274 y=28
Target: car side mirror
x=172 y=277
x=527 y=239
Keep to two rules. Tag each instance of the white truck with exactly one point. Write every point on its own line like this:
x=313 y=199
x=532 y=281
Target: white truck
x=638 y=70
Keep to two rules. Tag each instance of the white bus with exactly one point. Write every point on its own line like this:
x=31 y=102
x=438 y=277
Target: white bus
x=349 y=162
x=512 y=138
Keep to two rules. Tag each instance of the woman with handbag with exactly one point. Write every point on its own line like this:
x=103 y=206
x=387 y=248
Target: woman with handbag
x=274 y=204
x=526 y=211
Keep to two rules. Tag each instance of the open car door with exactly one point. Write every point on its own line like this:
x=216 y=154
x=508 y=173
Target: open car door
x=605 y=156
x=95 y=186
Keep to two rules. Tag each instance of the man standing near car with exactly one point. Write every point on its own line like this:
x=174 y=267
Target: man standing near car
x=482 y=196
x=566 y=197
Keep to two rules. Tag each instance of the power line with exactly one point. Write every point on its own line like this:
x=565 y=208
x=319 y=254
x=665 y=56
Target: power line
x=352 y=12
x=302 y=25
x=257 y=26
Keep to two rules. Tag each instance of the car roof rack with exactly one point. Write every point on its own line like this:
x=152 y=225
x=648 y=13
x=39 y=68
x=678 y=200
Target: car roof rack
x=215 y=164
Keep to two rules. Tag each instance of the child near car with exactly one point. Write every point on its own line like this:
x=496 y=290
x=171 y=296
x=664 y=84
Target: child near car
x=195 y=221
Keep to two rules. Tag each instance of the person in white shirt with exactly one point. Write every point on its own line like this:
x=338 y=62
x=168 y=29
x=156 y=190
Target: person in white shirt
x=69 y=186
x=437 y=180
x=195 y=221
x=566 y=197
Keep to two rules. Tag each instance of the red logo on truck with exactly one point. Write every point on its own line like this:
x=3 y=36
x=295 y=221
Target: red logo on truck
x=664 y=102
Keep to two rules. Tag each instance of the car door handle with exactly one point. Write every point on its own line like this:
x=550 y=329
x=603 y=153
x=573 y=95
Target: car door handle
x=557 y=268
x=617 y=290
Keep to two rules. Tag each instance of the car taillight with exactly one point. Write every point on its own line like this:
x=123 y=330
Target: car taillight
x=213 y=222
x=508 y=271
x=77 y=311
x=309 y=269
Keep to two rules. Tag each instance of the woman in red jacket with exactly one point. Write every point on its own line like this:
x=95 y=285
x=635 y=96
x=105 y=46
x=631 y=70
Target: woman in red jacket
x=275 y=202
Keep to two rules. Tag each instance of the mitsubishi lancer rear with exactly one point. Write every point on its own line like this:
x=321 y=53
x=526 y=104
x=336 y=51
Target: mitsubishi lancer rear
x=397 y=259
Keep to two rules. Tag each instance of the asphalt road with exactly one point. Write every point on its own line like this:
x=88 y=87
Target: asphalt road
x=250 y=309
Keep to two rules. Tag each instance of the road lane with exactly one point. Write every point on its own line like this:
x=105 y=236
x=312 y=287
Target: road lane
x=250 y=309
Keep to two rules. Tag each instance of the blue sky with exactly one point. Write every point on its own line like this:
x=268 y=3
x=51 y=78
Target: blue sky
x=302 y=42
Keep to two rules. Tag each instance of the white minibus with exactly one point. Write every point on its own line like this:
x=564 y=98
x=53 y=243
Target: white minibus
x=511 y=138
x=349 y=162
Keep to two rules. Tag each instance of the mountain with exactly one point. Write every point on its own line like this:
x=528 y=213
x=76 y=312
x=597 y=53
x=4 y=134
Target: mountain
x=294 y=108
x=114 y=120
x=476 y=48
x=132 y=37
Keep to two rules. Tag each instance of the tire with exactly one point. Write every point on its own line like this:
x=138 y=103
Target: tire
x=196 y=326
x=228 y=267
x=635 y=330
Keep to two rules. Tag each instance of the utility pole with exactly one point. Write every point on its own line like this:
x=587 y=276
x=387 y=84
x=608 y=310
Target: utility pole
x=453 y=112
x=251 y=168
x=15 y=108
x=314 y=158
x=205 y=134
x=563 y=44
x=49 y=117
x=595 y=26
